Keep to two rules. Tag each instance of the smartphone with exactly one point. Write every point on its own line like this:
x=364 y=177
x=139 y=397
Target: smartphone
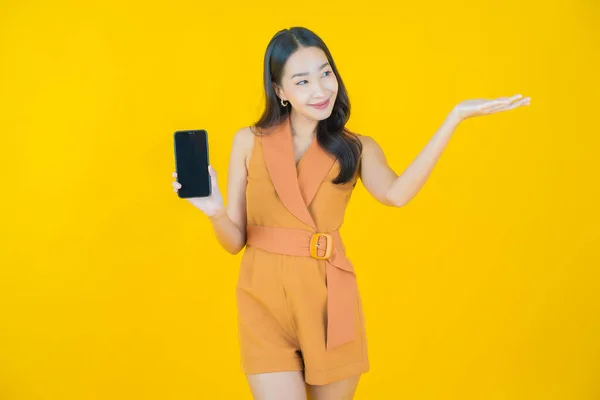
x=191 y=159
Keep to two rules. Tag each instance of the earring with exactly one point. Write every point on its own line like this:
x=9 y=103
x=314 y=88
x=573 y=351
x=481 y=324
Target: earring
x=286 y=103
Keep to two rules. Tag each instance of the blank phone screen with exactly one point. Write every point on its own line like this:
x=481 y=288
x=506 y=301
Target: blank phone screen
x=191 y=156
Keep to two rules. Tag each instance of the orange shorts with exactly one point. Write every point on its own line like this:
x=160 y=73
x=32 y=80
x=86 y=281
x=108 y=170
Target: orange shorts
x=282 y=319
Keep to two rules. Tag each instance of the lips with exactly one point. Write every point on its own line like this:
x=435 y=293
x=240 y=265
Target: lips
x=321 y=105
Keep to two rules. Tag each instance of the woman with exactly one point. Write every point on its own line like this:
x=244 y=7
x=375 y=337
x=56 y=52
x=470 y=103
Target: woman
x=291 y=175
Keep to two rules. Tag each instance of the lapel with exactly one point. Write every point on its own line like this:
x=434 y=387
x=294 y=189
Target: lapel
x=296 y=187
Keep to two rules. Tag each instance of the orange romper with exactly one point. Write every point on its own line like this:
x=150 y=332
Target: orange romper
x=297 y=311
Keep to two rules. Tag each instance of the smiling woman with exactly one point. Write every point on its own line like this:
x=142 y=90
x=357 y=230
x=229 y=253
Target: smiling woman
x=299 y=310
x=291 y=176
x=301 y=80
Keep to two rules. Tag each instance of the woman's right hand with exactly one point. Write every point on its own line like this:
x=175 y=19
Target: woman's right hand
x=211 y=205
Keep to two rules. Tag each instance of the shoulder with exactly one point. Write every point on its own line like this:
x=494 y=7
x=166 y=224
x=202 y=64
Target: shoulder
x=242 y=143
x=365 y=140
x=243 y=139
x=368 y=143
x=244 y=136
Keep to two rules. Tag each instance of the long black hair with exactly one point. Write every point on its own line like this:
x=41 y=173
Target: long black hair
x=332 y=134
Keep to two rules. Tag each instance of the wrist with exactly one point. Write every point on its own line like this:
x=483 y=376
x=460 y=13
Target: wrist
x=455 y=116
x=221 y=212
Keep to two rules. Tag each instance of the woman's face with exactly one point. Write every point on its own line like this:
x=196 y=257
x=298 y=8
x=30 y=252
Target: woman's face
x=307 y=81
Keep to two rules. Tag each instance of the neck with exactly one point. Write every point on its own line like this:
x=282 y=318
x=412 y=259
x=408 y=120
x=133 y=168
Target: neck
x=302 y=127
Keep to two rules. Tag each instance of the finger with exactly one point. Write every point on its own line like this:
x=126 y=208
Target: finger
x=504 y=107
x=496 y=108
x=212 y=172
x=174 y=174
x=505 y=100
x=524 y=102
x=177 y=185
x=508 y=100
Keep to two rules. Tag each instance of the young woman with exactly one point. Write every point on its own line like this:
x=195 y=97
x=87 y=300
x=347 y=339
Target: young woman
x=291 y=175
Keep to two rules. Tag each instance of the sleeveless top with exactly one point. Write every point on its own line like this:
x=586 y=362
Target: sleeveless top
x=287 y=207
x=284 y=199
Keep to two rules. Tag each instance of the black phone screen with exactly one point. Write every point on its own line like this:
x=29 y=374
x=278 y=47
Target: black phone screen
x=191 y=158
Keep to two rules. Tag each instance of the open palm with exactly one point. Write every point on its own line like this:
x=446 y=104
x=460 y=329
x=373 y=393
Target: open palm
x=477 y=107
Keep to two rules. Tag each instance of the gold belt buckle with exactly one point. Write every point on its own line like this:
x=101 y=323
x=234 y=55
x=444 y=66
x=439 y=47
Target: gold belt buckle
x=314 y=239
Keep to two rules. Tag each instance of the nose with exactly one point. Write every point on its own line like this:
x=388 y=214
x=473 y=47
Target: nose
x=319 y=92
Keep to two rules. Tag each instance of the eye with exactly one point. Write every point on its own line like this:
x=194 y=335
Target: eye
x=326 y=72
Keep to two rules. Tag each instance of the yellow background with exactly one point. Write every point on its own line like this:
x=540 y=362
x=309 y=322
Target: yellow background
x=485 y=286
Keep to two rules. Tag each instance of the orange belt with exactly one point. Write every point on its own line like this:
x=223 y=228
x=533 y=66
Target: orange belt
x=341 y=279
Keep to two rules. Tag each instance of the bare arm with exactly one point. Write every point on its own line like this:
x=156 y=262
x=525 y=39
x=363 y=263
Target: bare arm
x=390 y=189
x=393 y=190
x=229 y=223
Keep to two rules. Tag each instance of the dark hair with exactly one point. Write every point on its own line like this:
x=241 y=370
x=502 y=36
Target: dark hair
x=332 y=134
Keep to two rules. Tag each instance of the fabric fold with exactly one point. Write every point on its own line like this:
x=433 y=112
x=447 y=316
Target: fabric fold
x=342 y=287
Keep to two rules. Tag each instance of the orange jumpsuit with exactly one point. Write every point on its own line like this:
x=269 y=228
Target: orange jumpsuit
x=299 y=308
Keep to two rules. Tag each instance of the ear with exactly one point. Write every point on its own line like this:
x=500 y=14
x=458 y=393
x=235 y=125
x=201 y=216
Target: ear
x=277 y=90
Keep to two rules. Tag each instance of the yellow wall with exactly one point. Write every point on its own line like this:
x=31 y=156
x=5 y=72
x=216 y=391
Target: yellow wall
x=485 y=286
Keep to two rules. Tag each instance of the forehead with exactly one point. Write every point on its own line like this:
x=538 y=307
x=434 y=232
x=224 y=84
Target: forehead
x=305 y=59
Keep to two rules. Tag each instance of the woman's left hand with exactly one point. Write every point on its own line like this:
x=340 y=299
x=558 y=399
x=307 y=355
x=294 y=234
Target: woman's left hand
x=473 y=108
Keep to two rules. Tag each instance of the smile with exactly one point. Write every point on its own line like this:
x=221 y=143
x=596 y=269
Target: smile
x=320 y=105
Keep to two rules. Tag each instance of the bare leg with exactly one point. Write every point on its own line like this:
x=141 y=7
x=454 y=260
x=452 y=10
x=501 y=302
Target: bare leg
x=286 y=385
x=339 y=390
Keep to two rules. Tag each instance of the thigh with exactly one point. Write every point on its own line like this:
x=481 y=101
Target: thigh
x=288 y=385
x=340 y=390
x=308 y=299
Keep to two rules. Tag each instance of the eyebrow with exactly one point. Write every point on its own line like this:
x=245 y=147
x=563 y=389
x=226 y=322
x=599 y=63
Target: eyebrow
x=306 y=73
